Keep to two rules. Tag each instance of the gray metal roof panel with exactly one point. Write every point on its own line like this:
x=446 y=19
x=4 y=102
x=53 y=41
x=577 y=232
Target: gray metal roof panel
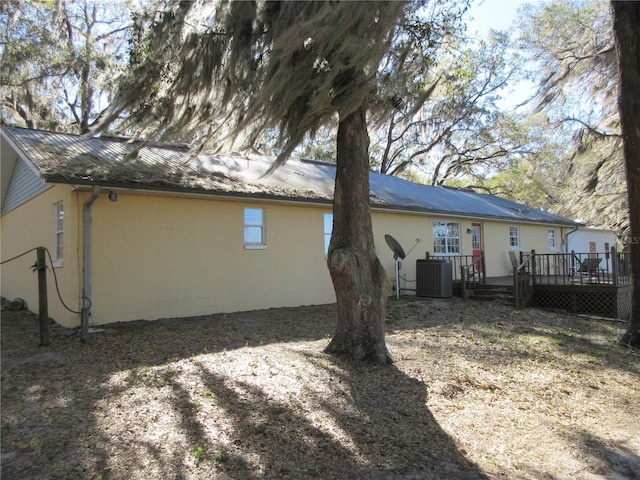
x=63 y=158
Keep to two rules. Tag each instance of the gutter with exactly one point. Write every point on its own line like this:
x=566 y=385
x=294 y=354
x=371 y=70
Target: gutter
x=298 y=200
x=86 y=264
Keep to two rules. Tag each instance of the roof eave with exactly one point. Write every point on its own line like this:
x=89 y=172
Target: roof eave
x=164 y=189
x=184 y=191
x=465 y=215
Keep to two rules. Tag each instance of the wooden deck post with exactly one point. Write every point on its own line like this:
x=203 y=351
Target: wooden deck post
x=533 y=266
x=463 y=283
x=614 y=266
x=43 y=303
x=516 y=292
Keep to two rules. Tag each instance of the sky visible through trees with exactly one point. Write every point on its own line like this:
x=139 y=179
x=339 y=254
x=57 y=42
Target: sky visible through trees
x=486 y=15
x=493 y=146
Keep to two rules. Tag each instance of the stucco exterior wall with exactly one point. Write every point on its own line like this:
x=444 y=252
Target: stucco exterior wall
x=155 y=257
x=158 y=256
x=532 y=237
x=406 y=228
x=29 y=226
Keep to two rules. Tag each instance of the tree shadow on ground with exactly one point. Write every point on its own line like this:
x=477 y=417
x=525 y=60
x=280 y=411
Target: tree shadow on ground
x=600 y=458
x=366 y=429
x=397 y=433
x=118 y=408
x=144 y=400
x=498 y=335
x=617 y=458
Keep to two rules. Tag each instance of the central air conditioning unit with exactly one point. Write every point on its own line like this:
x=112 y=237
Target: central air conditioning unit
x=434 y=278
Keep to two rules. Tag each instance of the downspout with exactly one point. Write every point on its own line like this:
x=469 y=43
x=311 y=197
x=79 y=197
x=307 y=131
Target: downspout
x=569 y=263
x=86 y=265
x=566 y=239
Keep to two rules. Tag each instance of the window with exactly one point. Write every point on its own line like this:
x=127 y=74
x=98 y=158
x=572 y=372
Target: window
x=254 y=231
x=514 y=238
x=446 y=238
x=552 y=240
x=475 y=237
x=328 y=229
x=58 y=224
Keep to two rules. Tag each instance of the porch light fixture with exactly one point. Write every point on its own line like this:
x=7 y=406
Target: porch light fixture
x=468 y=230
x=113 y=196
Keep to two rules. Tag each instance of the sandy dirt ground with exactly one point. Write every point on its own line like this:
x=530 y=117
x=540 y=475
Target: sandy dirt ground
x=476 y=391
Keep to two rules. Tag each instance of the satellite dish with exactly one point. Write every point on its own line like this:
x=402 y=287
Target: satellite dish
x=398 y=251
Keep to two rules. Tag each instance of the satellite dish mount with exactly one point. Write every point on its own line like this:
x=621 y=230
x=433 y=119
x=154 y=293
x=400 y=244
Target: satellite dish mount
x=398 y=254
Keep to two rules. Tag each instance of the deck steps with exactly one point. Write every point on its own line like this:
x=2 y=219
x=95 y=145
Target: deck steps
x=490 y=293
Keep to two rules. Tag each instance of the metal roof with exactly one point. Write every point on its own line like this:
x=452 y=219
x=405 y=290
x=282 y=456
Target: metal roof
x=117 y=162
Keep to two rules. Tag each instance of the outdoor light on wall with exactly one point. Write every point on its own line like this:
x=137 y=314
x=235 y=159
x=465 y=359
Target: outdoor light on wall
x=468 y=230
x=113 y=196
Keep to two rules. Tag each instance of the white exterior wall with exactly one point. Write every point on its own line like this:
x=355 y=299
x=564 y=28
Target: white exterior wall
x=580 y=240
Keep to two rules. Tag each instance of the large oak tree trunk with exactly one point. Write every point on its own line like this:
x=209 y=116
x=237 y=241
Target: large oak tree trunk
x=360 y=282
x=626 y=19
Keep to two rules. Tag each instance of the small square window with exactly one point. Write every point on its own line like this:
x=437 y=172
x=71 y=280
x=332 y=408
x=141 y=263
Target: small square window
x=254 y=228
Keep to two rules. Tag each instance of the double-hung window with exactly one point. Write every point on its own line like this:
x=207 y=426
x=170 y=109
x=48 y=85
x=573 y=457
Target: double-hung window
x=514 y=238
x=552 y=239
x=58 y=238
x=446 y=238
x=254 y=228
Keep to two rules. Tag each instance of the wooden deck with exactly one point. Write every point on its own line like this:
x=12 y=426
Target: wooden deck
x=589 y=283
x=600 y=297
x=557 y=280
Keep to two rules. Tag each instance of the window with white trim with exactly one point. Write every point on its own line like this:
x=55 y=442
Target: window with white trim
x=254 y=228
x=446 y=238
x=328 y=230
x=514 y=238
x=58 y=237
x=552 y=239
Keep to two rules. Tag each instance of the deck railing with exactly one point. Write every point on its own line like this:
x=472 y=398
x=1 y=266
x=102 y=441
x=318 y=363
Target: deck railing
x=606 y=268
x=531 y=269
x=524 y=280
x=472 y=275
x=473 y=265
